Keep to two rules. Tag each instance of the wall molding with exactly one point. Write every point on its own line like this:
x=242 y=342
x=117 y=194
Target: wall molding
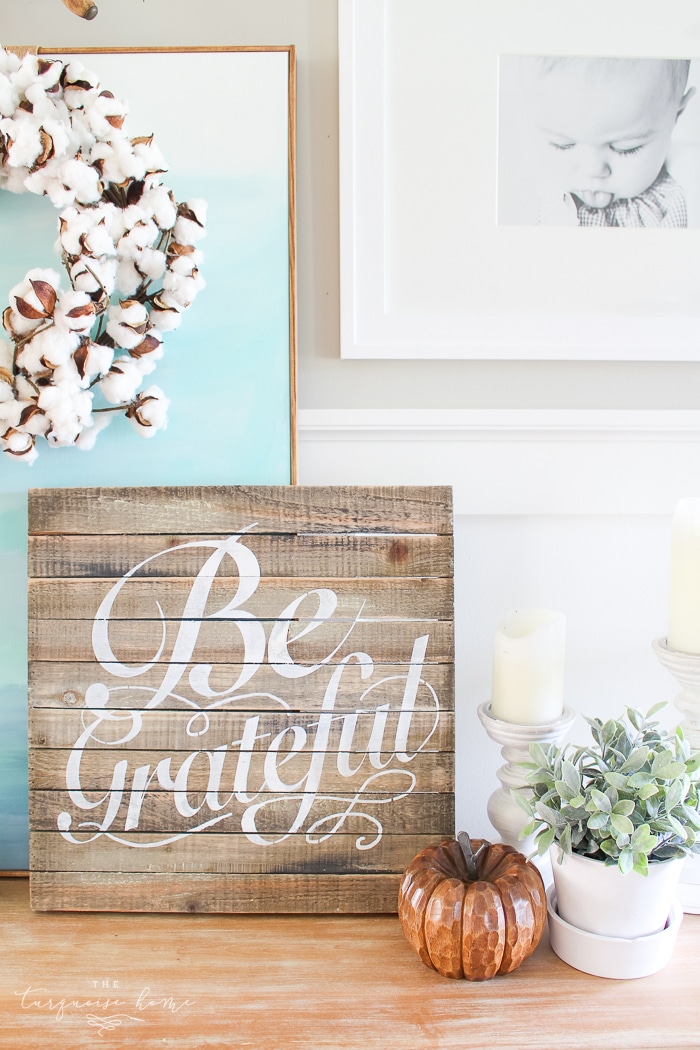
x=519 y=461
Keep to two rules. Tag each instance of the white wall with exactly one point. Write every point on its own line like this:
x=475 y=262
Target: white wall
x=561 y=509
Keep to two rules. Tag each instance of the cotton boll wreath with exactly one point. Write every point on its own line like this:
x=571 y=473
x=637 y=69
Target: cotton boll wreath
x=76 y=356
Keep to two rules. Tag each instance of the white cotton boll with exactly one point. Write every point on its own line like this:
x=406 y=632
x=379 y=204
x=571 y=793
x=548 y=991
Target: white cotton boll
x=7 y=352
x=47 y=349
x=142 y=235
x=75 y=311
x=190 y=230
x=16 y=179
x=18 y=323
x=105 y=114
x=68 y=409
x=161 y=205
x=68 y=375
x=98 y=361
x=151 y=263
x=98 y=241
x=10 y=413
x=182 y=289
x=165 y=315
x=121 y=383
x=35 y=423
x=94 y=275
x=185 y=264
x=130 y=312
x=26 y=144
x=128 y=323
x=26 y=73
x=150 y=413
x=82 y=179
x=9 y=98
x=20 y=446
x=150 y=156
x=128 y=278
x=88 y=435
x=134 y=214
x=9 y=62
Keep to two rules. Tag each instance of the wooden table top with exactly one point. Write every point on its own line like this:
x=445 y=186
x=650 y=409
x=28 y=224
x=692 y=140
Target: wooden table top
x=74 y=980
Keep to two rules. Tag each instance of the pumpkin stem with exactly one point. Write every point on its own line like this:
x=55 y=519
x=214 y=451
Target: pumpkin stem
x=470 y=857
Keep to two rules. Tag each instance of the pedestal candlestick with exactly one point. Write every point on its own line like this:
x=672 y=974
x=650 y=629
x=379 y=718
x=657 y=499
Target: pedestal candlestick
x=506 y=815
x=685 y=668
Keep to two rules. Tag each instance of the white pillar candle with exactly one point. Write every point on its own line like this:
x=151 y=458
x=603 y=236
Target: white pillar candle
x=528 y=667
x=684 y=591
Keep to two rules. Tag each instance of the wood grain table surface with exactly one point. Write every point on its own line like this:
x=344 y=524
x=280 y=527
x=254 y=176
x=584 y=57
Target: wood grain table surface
x=75 y=980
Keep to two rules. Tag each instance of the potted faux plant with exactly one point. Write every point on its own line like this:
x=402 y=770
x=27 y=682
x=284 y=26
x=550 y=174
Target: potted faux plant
x=618 y=818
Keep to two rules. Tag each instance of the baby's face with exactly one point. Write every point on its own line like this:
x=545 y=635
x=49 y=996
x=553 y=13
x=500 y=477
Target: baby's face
x=602 y=136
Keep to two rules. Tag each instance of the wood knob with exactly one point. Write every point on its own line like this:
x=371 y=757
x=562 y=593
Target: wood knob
x=82 y=8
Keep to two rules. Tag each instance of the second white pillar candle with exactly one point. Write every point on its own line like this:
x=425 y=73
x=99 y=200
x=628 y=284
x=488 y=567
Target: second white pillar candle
x=528 y=667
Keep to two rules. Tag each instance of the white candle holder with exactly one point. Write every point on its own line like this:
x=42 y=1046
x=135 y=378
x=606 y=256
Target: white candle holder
x=685 y=668
x=506 y=815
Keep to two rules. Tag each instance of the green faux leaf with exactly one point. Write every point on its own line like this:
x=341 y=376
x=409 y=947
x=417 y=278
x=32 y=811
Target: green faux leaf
x=642 y=840
x=641 y=864
x=647 y=791
x=691 y=816
x=638 y=780
x=625 y=806
x=601 y=801
x=544 y=841
x=616 y=780
x=671 y=770
x=529 y=829
x=676 y=827
x=565 y=839
x=564 y=790
x=609 y=847
x=622 y=825
x=608 y=731
x=663 y=759
x=636 y=760
x=578 y=802
x=657 y=707
x=636 y=717
x=675 y=794
x=539 y=754
x=596 y=821
x=524 y=802
x=625 y=861
x=571 y=776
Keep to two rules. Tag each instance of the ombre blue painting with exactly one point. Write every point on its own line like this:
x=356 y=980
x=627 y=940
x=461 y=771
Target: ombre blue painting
x=221 y=119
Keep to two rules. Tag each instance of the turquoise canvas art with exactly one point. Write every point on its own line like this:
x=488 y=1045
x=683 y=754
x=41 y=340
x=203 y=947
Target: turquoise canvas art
x=223 y=120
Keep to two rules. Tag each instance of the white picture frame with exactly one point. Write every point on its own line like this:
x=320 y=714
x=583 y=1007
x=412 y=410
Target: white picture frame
x=426 y=272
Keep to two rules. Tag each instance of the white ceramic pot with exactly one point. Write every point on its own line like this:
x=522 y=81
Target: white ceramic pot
x=600 y=899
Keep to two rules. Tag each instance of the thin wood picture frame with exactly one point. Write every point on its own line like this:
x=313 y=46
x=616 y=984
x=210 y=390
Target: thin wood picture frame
x=229 y=370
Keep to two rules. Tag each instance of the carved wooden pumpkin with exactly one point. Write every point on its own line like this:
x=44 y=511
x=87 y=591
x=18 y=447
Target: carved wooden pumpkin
x=472 y=909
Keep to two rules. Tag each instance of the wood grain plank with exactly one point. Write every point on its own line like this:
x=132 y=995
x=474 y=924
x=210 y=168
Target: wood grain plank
x=160 y=812
x=47 y=770
x=138 y=641
x=212 y=893
x=187 y=731
x=285 y=509
x=147 y=598
x=323 y=556
x=225 y=854
x=351 y=781
x=63 y=685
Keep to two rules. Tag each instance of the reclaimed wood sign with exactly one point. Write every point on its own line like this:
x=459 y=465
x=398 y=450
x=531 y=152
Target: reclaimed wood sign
x=241 y=699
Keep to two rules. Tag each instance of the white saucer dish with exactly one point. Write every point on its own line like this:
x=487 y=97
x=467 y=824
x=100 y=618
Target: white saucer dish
x=615 y=957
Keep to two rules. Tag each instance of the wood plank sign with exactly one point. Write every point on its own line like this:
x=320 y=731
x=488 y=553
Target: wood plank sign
x=241 y=699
